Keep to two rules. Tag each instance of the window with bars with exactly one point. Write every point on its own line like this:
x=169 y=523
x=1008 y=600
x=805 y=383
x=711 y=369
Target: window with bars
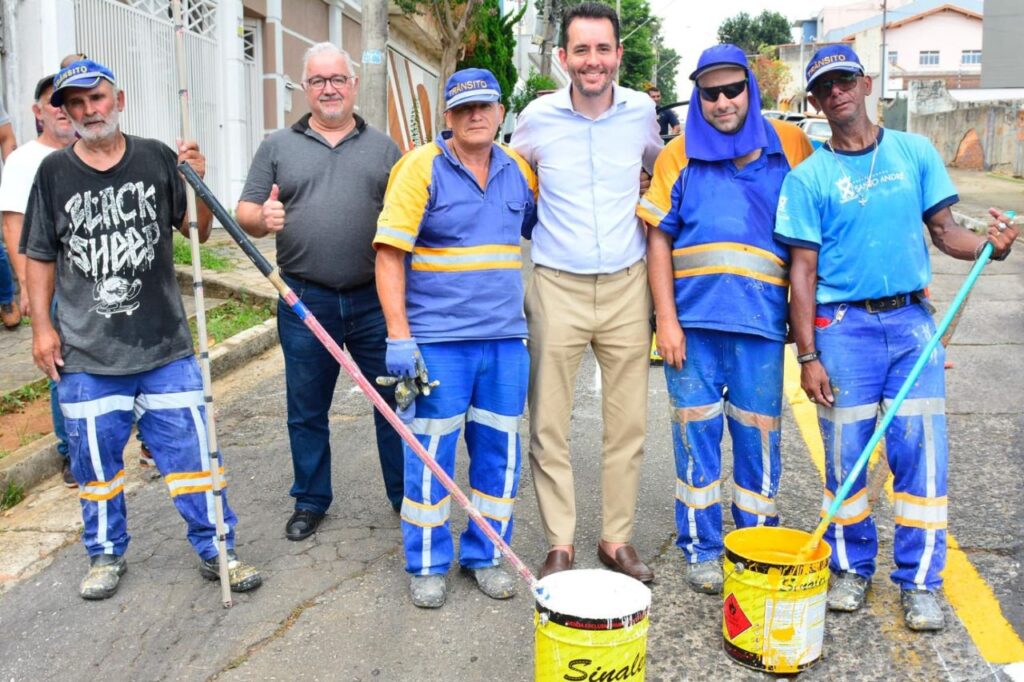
x=199 y=15
x=928 y=58
x=970 y=57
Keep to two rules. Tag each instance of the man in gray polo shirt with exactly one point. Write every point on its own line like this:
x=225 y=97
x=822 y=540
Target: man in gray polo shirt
x=318 y=187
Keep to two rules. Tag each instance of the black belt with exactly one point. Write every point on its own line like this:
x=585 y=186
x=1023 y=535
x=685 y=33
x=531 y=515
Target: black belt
x=886 y=303
x=340 y=290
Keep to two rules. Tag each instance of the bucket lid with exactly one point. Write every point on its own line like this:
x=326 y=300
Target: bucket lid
x=593 y=593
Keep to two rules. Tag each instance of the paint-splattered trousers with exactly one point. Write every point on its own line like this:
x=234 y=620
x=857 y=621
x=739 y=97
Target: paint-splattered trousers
x=483 y=385
x=168 y=404
x=748 y=370
x=868 y=356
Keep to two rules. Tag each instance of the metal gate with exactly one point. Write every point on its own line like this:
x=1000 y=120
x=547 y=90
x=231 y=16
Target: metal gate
x=135 y=38
x=252 y=63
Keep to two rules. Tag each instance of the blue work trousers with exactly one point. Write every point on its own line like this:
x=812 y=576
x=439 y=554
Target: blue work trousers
x=354 y=319
x=483 y=385
x=168 y=404
x=868 y=356
x=748 y=370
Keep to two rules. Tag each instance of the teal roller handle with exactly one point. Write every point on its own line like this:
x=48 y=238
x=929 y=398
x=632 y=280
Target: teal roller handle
x=890 y=414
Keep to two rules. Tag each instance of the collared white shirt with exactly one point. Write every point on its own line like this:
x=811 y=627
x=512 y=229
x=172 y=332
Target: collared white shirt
x=588 y=171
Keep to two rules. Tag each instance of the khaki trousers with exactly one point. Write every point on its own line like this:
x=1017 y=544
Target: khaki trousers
x=565 y=312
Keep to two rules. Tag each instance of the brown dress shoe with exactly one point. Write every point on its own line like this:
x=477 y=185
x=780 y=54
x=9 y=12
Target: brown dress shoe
x=626 y=561
x=557 y=560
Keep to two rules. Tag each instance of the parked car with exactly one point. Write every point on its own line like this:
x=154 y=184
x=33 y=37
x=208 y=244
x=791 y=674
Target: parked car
x=817 y=129
x=791 y=116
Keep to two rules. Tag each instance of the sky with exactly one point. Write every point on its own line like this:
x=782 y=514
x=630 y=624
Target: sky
x=691 y=26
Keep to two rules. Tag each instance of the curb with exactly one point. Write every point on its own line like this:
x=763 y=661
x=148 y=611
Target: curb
x=30 y=465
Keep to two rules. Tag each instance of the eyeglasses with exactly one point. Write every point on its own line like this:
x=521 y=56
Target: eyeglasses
x=319 y=82
x=823 y=88
x=730 y=90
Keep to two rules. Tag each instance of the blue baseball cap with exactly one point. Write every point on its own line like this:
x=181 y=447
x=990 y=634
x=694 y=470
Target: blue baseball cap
x=81 y=74
x=471 y=85
x=719 y=57
x=832 y=58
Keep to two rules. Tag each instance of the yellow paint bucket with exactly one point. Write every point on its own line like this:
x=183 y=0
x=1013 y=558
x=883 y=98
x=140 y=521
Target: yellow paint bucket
x=773 y=614
x=591 y=625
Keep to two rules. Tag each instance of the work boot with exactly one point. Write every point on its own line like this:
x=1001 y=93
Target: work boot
x=242 y=577
x=495 y=582
x=921 y=610
x=104 y=574
x=847 y=591
x=705 y=576
x=428 y=591
x=10 y=314
x=145 y=457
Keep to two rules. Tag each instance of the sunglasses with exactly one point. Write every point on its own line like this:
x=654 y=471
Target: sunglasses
x=730 y=90
x=823 y=88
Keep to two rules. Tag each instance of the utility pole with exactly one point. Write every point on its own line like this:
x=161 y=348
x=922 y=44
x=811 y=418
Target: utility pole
x=548 y=39
x=373 y=83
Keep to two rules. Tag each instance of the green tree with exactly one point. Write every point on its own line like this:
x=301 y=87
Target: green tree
x=452 y=18
x=490 y=44
x=668 y=64
x=750 y=33
x=772 y=76
x=535 y=84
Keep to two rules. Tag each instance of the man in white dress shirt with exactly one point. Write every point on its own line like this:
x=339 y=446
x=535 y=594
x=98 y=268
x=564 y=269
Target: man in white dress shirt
x=588 y=143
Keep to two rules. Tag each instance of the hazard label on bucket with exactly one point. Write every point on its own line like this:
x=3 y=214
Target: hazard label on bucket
x=736 y=621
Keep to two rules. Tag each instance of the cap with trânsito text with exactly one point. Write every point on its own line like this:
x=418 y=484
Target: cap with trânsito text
x=81 y=74
x=832 y=58
x=471 y=85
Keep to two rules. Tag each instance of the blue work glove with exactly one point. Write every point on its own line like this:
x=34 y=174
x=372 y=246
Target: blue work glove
x=403 y=358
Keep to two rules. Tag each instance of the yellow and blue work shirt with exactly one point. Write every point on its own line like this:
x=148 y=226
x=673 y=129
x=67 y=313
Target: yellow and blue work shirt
x=730 y=273
x=463 y=266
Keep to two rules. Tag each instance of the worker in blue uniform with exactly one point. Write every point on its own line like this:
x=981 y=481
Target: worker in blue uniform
x=719 y=281
x=852 y=215
x=448 y=275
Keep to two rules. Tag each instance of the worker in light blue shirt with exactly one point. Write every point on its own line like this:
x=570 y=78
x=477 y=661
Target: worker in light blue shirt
x=588 y=143
x=852 y=215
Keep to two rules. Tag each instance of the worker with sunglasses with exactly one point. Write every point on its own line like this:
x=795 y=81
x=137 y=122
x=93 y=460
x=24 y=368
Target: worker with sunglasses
x=852 y=215
x=719 y=282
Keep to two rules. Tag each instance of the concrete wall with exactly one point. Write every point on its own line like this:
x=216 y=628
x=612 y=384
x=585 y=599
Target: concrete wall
x=969 y=134
x=1003 y=31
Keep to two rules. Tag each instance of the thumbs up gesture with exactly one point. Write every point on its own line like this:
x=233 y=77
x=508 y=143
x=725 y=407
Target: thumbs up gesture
x=273 y=211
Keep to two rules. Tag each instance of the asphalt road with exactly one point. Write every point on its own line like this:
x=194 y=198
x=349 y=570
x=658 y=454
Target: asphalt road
x=335 y=607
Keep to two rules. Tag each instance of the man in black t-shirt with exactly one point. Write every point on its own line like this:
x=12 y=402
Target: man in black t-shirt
x=98 y=231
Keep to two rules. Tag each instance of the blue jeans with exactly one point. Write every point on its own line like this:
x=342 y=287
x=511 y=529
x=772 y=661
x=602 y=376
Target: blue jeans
x=6 y=281
x=355 y=320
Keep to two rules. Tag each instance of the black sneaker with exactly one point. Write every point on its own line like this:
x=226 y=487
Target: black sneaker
x=302 y=524
x=242 y=577
x=67 y=476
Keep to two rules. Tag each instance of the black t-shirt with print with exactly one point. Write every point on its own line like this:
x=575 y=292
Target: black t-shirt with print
x=110 y=233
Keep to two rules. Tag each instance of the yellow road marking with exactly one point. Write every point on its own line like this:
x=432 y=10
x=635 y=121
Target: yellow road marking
x=966 y=591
